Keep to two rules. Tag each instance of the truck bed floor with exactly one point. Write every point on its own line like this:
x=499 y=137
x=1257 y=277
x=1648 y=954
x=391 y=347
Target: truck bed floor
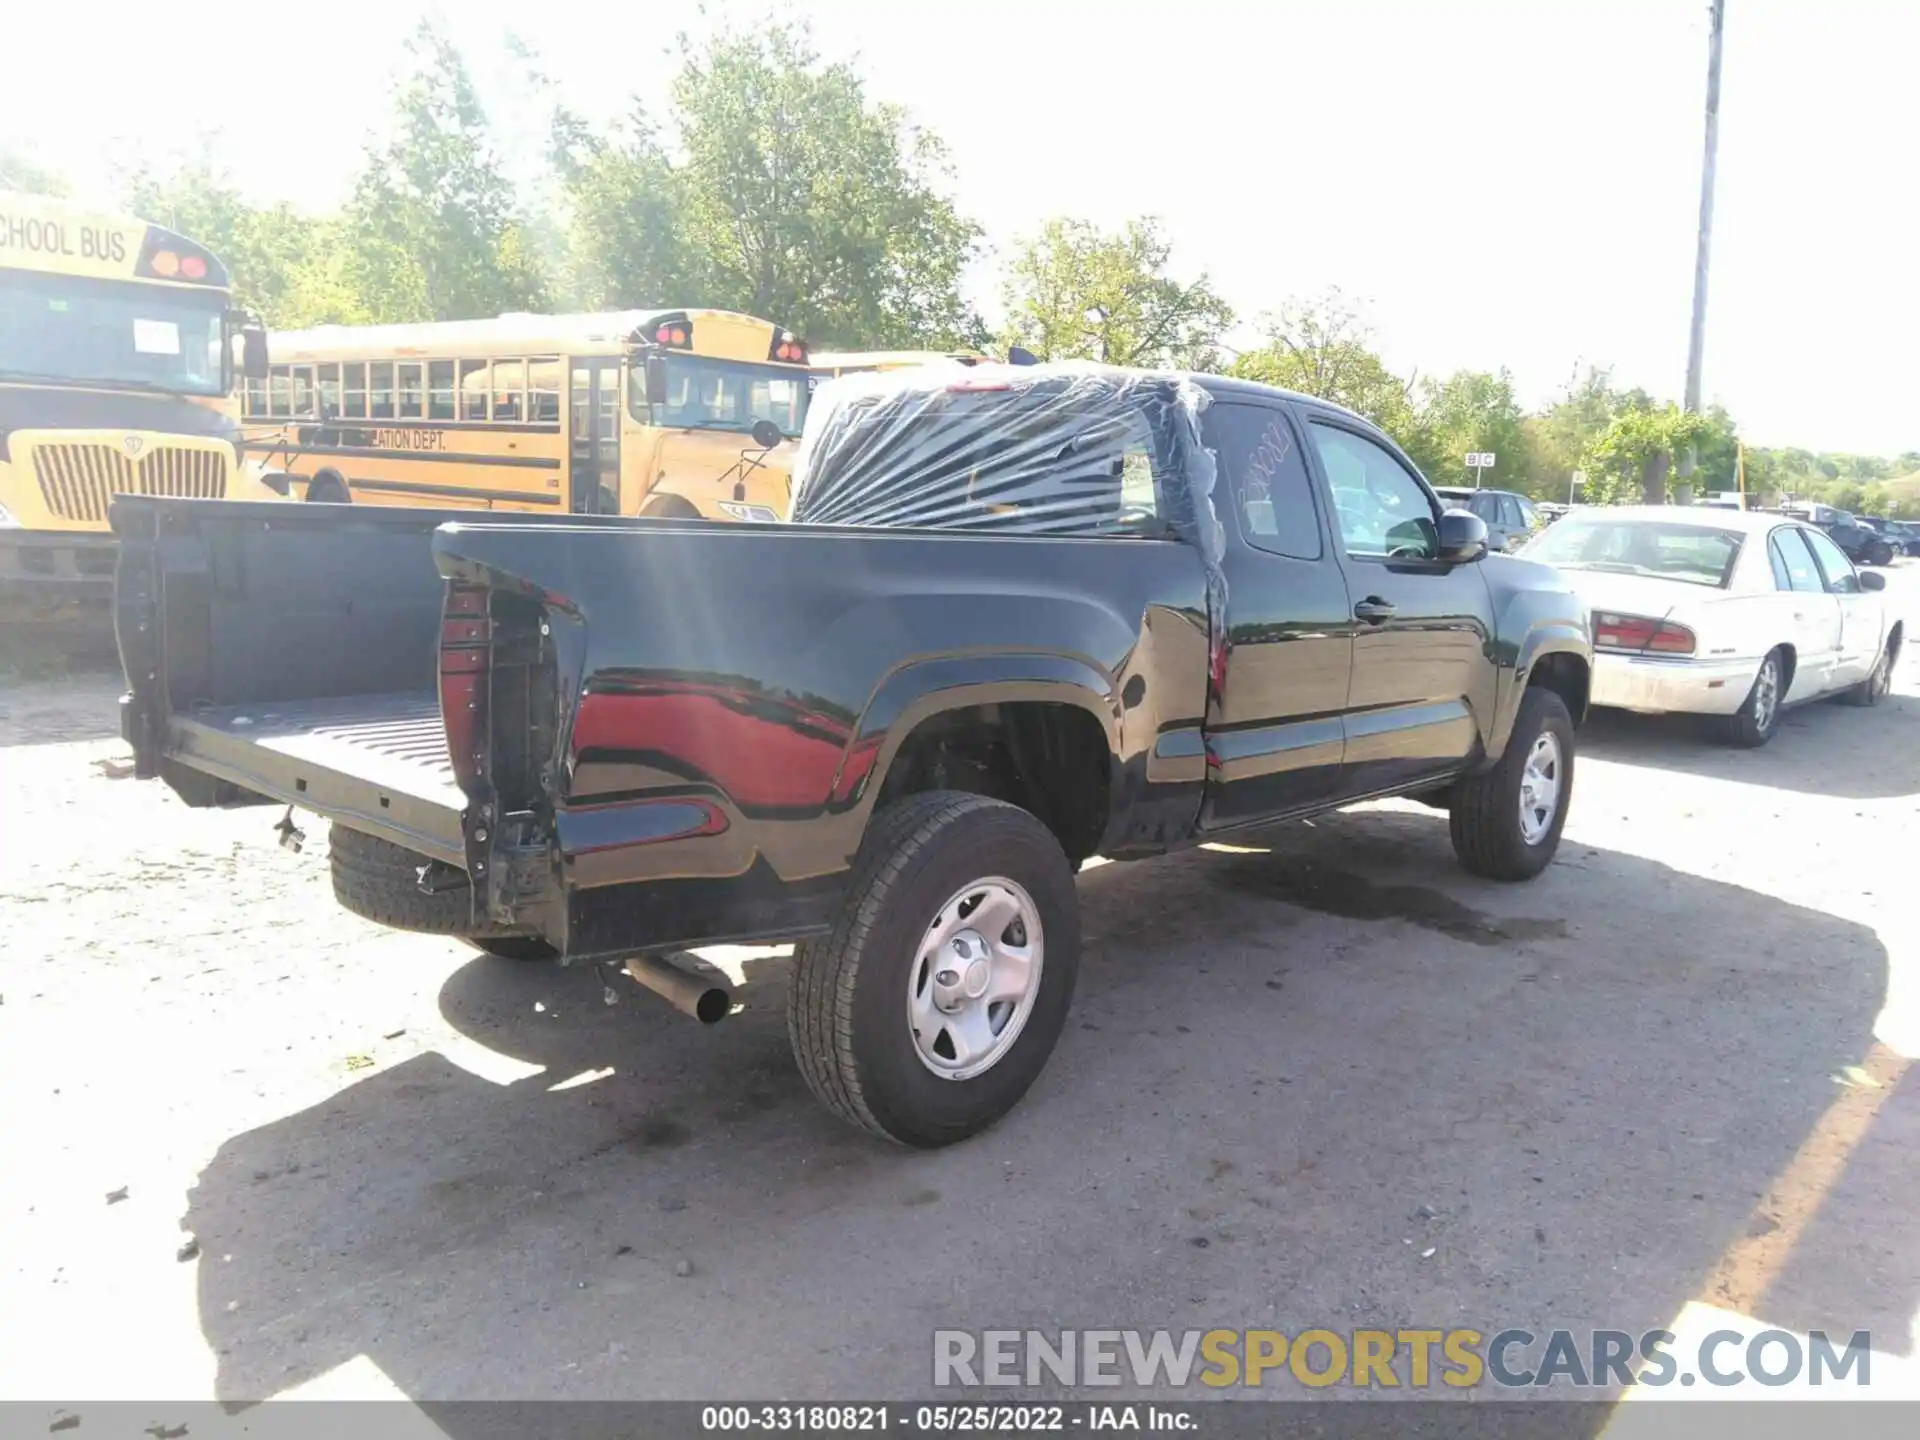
x=375 y=762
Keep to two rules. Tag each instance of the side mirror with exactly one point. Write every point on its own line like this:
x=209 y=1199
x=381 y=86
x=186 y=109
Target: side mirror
x=253 y=352
x=766 y=434
x=277 y=481
x=1020 y=355
x=656 y=379
x=1463 y=537
x=1872 y=580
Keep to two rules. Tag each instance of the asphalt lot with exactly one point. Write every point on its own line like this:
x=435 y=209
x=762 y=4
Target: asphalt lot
x=1671 y=1071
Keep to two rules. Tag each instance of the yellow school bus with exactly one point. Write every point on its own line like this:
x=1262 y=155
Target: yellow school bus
x=684 y=413
x=116 y=375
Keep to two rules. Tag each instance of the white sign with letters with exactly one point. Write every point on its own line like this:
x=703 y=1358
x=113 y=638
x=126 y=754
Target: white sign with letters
x=1480 y=459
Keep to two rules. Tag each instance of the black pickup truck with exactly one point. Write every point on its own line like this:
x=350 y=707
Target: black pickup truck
x=1020 y=619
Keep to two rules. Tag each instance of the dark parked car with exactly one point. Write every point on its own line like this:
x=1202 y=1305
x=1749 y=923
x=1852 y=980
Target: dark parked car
x=1863 y=544
x=1023 y=618
x=1903 y=535
x=1511 y=519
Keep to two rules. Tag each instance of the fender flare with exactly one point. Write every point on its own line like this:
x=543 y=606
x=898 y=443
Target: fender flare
x=919 y=690
x=1544 y=638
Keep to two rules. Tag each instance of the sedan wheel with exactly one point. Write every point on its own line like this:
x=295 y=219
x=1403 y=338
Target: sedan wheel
x=1757 y=719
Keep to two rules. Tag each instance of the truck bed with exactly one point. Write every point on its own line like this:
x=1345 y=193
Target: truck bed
x=380 y=760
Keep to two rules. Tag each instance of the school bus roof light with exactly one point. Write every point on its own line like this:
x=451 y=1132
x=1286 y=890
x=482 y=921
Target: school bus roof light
x=787 y=348
x=165 y=264
x=192 y=267
x=678 y=336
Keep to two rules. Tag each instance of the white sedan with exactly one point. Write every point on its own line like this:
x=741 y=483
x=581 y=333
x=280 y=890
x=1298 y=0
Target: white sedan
x=1735 y=614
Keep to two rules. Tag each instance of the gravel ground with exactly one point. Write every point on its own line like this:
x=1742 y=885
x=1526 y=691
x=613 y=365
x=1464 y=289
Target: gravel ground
x=1671 y=1070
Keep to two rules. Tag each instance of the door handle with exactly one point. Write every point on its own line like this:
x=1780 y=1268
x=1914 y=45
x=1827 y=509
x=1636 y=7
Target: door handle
x=1373 y=610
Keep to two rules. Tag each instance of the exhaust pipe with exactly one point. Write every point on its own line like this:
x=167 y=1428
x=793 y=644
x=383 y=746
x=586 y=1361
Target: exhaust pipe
x=708 y=1000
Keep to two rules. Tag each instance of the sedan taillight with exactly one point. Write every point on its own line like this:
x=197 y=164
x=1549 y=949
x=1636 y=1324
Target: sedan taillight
x=1639 y=634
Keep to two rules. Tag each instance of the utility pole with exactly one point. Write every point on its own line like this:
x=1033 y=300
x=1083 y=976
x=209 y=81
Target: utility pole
x=1718 y=13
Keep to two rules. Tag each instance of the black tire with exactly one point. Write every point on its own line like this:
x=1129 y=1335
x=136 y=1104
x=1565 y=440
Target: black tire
x=847 y=1007
x=380 y=881
x=1880 y=554
x=329 y=487
x=522 y=949
x=1873 y=689
x=1754 y=723
x=1485 y=819
x=669 y=507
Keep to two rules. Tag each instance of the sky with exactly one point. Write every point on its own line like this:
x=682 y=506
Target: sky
x=1502 y=182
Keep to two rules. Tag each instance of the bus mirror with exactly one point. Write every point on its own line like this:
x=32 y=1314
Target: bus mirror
x=656 y=379
x=766 y=434
x=1019 y=355
x=253 y=352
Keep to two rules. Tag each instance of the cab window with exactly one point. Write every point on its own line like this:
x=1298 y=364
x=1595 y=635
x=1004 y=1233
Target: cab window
x=1380 y=509
x=1264 y=474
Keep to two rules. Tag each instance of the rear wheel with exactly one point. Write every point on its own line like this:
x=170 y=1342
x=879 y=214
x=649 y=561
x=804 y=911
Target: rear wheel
x=1506 y=822
x=935 y=1002
x=1759 y=716
x=1880 y=553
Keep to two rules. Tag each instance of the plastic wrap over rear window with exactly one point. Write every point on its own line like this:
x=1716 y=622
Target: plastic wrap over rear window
x=1034 y=450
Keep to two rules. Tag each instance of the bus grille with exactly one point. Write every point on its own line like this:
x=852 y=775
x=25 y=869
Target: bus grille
x=78 y=480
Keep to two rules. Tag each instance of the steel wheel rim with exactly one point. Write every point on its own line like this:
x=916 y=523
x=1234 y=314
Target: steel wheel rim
x=1540 y=788
x=1766 y=694
x=975 y=978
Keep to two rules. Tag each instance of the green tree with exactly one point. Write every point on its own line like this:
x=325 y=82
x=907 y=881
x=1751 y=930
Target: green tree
x=435 y=227
x=629 y=242
x=287 y=267
x=1471 y=410
x=1322 y=346
x=777 y=188
x=811 y=205
x=1074 y=292
x=1558 y=437
x=19 y=171
x=1632 y=459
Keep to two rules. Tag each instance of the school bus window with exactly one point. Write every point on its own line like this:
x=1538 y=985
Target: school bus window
x=440 y=390
x=280 y=392
x=380 y=390
x=328 y=381
x=303 y=390
x=543 y=398
x=473 y=389
x=509 y=389
x=413 y=390
x=354 y=397
x=256 y=396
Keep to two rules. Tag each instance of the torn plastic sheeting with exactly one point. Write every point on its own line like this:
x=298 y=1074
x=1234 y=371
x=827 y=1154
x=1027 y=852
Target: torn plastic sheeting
x=1024 y=450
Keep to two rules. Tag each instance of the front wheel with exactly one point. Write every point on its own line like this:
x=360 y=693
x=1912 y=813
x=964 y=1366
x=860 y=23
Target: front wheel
x=1873 y=689
x=1506 y=823
x=1880 y=555
x=934 y=1004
